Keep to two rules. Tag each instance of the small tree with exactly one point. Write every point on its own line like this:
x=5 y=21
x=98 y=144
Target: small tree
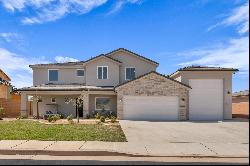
x=1 y=112
x=76 y=101
x=37 y=99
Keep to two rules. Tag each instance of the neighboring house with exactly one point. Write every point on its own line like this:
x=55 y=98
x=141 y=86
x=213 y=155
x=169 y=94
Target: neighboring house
x=128 y=84
x=241 y=104
x=5 y=87
x=9 y=100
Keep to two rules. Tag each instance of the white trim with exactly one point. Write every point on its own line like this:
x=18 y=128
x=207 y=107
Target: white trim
x=126 y=72
x=52 y=98
x=80 y=69
x=103 y=97
x=57 y=73
x=102 y=72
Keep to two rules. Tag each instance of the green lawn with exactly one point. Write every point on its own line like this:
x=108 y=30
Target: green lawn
x=31 y=130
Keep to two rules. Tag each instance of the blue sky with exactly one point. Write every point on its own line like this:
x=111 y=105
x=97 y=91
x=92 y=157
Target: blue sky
x=175 y=33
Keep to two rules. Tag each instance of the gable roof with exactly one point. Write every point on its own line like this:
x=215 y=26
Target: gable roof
x=203 y=68
x=135 y=54
x=182 y=84
x=102 y=55
x=1 y=71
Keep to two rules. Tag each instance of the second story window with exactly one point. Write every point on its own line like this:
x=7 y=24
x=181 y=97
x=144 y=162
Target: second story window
x=53 y=75
x=53 y=100
x=80 y=73
x=102 y=72
x=130 y=73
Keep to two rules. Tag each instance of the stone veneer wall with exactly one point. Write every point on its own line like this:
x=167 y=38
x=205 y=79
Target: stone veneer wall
x=153 y=85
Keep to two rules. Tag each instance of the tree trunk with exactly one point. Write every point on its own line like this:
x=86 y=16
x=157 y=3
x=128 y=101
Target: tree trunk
x=37 y=111
x=77 y=113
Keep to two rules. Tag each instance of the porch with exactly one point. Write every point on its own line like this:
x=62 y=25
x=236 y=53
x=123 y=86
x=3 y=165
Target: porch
x=56 y=102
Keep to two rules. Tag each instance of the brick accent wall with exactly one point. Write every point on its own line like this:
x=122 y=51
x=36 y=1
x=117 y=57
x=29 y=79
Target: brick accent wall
x=154 y=85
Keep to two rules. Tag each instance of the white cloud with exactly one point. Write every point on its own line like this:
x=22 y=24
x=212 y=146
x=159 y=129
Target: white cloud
x=238 y=17
x=13 y=38
x=120 y=3
x=17 y=67
x=50 y=10
x=9 y=37
x=61 y=59
x=234 y=54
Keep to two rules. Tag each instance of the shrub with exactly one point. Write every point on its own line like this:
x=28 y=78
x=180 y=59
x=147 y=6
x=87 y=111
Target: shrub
x=102 y=119
x=1 y=112
x=113 y=119
x=70 y=117
x=53 y=118
x=50 y=118
x=97 y=116
x=88 y=116
x=98 y=122
x=21 y=117
x=56 y=117
x=61 y=116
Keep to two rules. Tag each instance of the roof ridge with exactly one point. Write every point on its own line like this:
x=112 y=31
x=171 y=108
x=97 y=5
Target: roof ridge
x=157 y=74
x=124 y=49
x=5 y=74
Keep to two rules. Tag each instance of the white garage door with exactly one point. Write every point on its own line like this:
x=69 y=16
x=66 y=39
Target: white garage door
x=206 y=99
x=158 y=108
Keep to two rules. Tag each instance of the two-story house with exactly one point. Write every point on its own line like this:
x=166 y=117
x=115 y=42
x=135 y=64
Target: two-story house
x=128 y=84
x=5 y=87
x=9 y=100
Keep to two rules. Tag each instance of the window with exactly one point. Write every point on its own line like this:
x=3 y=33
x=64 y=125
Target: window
x=53 y=75
x=129 y=73
x=103 y=103
x=80 y=73
x=102 y=72
x=53 y=100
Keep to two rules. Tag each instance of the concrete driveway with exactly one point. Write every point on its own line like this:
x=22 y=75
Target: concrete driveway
x=227 y=138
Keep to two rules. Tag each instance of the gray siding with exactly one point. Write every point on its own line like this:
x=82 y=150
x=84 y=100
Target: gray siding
x=113 y=73
x=128 y=60
x=65 y=76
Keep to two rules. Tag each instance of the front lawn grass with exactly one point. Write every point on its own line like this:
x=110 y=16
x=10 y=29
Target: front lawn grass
x=32 y=130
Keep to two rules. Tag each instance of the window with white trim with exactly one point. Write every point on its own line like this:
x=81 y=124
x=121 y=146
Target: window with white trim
x=53 y=100
x=80 y=72
x=130 y=73
x=102 y=72
x=53 y=75
x=103 y=103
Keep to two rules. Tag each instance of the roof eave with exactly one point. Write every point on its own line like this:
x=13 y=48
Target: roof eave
x=187 y=86
x=130 y=52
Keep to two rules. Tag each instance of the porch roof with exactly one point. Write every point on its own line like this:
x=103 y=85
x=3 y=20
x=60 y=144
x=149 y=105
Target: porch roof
x=72 y=87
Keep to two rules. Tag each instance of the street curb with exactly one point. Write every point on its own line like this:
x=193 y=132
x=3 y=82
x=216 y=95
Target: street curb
x=99 y=153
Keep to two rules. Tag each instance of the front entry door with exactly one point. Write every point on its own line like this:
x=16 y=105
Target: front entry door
x=79 y=108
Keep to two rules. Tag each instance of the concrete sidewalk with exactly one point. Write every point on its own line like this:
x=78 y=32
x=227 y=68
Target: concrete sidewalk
x=96 y=148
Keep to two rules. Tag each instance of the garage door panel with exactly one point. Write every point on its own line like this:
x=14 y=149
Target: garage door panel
x=151 y=107
x=206 y=99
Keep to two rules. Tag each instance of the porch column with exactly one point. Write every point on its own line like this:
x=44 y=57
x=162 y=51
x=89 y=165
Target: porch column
x=24 y=99
x=86 y=102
